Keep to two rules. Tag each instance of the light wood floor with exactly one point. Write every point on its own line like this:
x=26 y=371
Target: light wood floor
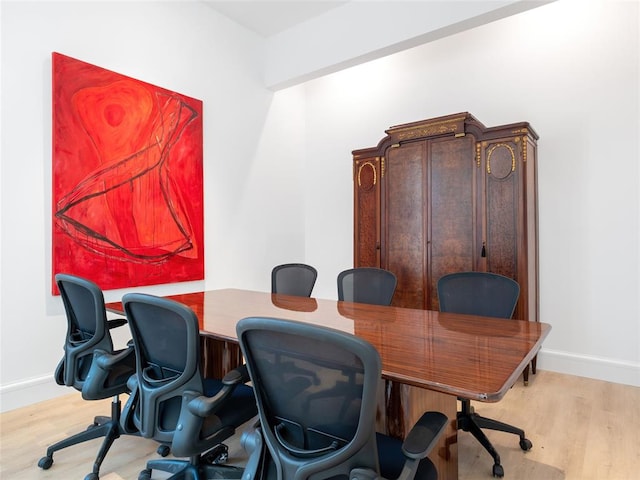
x=581 y=429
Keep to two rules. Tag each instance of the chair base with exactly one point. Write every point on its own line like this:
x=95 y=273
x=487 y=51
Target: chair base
x=107 y=427
x=471 y=422
x=197 y=468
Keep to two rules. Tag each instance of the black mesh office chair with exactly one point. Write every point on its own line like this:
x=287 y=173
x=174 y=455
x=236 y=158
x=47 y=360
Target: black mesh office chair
x=302 y=435
x=489 y=295
x=367 y=285
x=370 y=285
x=293 y=279
x=170 y=400
x=87 y=344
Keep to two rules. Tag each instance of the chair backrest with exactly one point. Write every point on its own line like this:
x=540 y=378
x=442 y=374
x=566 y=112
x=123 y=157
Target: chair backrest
x=166 y=339
x=478 y=293
x=293 y=279
x=316 y=394
x=367 y=285
x=86 y=328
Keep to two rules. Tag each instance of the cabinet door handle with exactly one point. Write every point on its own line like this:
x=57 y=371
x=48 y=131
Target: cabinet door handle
x=484 y=250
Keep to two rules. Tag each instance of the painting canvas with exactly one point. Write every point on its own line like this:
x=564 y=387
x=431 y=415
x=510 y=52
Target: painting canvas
x=127 y=179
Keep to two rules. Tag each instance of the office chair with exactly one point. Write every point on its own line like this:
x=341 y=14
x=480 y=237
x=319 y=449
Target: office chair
x=87 y=344
x=370 y=285
x=489 y=295
x=171 y=402
x=367 y=285
x=299 y=436
x=293 y=279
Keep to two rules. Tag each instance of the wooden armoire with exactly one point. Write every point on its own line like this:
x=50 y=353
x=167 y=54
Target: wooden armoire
x=445 y=195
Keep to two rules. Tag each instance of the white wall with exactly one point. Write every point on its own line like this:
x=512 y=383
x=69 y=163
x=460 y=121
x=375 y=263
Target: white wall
x=571 y=70
x=278 y=166
x=182 y=46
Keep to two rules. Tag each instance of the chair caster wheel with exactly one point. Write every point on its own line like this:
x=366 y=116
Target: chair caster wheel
x=145 y=475
x=163 y=450
x=217 y=455
x=498 y=471
x=525 y=444
x=91 y=476
x=45 y=463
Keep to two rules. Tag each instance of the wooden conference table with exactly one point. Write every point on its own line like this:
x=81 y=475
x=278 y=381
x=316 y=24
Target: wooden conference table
x=428 y=358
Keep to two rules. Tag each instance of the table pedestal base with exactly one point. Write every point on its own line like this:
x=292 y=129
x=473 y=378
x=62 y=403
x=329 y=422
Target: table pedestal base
x=218 y=356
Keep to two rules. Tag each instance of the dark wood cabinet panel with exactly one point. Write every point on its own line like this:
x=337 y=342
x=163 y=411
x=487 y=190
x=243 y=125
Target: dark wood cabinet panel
x=405 y=242
x=452 y=205
x=445 y=195
x=366 y=206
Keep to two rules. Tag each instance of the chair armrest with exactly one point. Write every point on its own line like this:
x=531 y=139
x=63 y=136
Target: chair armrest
x=108 y=374
x=203 y=406
x=132 y=383
x=59 y=373
x=237 y=376
x=424 y=435
x=128 y=417
x=109 y=360
x=364 y=474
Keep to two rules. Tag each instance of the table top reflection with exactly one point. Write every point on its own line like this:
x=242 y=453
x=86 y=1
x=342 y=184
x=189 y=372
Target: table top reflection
x=463 y=355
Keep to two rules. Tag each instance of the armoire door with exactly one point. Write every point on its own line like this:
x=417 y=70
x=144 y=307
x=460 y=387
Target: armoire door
x=509 y=217
x=453 y=211
x=429 y=215
x=404 y=214
x=366 y=207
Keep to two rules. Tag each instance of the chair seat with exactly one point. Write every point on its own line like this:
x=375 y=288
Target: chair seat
x=392 y=460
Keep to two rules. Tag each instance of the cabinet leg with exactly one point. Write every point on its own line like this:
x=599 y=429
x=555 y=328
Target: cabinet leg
x=534 y=364
x=525 y=375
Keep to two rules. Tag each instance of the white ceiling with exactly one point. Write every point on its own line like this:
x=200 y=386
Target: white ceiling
x=268 y=17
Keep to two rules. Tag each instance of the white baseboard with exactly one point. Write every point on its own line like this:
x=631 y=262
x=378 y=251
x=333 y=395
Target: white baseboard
x=27 y=392
x=616 y=371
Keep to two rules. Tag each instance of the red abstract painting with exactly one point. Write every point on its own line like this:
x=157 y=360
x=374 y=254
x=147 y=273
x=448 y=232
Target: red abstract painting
x=127 y=179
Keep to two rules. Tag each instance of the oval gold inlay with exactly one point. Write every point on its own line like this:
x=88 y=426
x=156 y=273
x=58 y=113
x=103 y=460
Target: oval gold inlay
x=367 y=177
x=501 y=160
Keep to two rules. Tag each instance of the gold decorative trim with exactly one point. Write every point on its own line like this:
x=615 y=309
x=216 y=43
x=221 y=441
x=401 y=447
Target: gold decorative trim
x=382 y=164
x=373 y=167
x=440 y=127
x=524 y=149
x=490 y=152
x=478 y=154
